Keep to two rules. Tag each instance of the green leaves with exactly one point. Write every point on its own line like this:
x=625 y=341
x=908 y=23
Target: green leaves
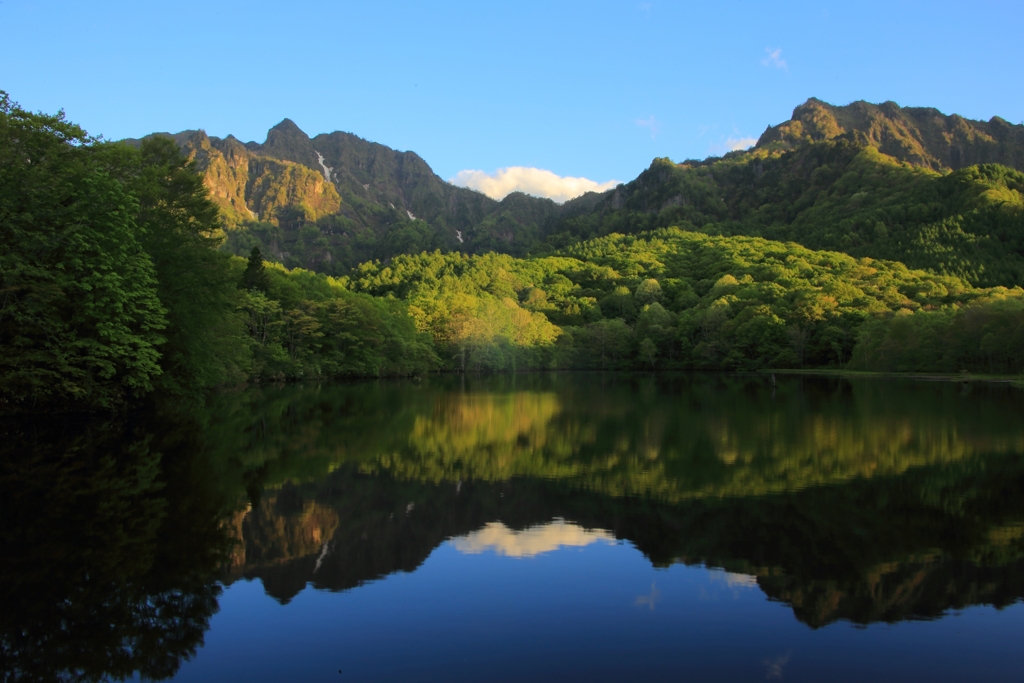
x=80 y=320
x=255 y=275
x=986 y=336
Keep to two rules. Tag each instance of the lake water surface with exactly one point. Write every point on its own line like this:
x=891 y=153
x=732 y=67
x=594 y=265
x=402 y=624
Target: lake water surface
x=578 y=527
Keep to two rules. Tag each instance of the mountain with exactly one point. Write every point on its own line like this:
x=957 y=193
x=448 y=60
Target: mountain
x=870 y=181
x=941 y=193
x=335 y=200
x=921 y=136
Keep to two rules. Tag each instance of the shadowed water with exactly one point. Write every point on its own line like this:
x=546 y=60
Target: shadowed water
x=572 y=526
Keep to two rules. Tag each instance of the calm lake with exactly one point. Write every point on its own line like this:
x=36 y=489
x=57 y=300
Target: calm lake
x=571 y=527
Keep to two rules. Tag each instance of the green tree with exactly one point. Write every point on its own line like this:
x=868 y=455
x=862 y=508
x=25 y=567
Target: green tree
x=80 y=317
x=180 y=228
x=648 y=351
x=648 y=292
x=619 y=304
x=255 y=275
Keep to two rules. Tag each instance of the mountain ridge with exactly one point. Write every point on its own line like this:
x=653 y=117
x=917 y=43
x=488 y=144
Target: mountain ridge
x=824 y=180
x=864 y=179
x=364 y=190
x=923 y=136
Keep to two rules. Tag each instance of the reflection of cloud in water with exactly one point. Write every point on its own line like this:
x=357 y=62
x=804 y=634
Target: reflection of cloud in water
x=649 y=600
x=733 y=580
x=529 y=542
x=774 y=666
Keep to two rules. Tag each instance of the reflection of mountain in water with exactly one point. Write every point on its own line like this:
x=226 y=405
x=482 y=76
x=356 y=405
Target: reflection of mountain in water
x=886 y=548
x=671 y=439
x=865 y=501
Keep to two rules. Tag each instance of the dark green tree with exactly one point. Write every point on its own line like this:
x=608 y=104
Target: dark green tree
x=80 y=319
x=180 y=228
x=255 y=275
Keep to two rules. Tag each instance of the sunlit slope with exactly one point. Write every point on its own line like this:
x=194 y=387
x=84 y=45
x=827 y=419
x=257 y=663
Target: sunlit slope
x=912 y=185
x=922 y=136
x=330 y=201
x=668 y=298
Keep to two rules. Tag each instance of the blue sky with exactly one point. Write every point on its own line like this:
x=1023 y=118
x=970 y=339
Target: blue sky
x=589 y=89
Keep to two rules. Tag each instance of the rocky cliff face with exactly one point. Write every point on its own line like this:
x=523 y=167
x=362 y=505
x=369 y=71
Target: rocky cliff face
x=918 y=135
x=377 y=174
x=358 y=200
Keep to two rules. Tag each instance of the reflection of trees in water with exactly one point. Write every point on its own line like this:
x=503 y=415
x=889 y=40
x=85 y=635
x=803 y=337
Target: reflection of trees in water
x=672 y=439
x=110 y=539
x=830 y=493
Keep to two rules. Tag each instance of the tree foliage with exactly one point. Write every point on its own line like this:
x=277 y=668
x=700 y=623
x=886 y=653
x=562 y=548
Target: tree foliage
x=179 y=228
x=839 y=195
x=81 y=321
x=665 y=299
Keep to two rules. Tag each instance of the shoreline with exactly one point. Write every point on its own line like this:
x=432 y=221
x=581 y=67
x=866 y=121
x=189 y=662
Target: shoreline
x=965 y=378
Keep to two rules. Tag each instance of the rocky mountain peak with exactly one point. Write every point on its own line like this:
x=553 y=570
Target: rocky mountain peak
x=286 y=127
x=922 y=136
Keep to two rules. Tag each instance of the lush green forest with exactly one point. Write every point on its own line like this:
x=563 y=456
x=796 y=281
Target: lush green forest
x=111 y=286
x=674 y=299
x=114 y=284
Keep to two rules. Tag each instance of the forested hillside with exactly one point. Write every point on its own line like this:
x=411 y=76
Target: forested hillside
x=115 y=283
x=838 y=195
x=937 y=192
x=675 y=299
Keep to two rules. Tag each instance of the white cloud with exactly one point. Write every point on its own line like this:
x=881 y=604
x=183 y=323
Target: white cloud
x=740 y=143
x=650 y=123
x=774 y=58
x=535 y=181
x=650 y=600
x=731 y=144
x=530 y=542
